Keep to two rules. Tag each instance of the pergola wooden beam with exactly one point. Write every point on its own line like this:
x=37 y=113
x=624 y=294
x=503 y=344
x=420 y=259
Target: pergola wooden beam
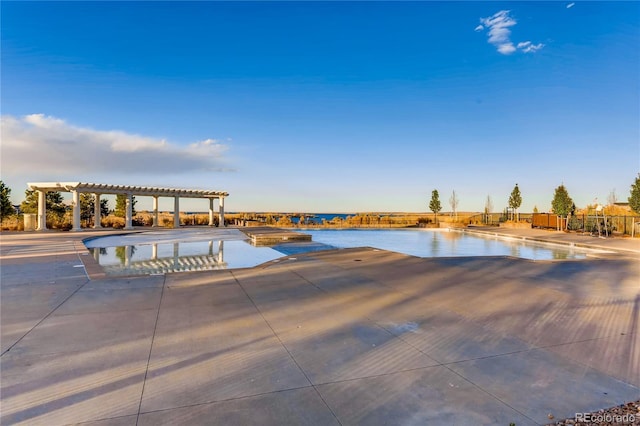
x=76 y=188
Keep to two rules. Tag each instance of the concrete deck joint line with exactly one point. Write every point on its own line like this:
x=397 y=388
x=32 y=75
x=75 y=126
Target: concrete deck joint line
x=482 y=389
x=239 y=398
x=45 y=317
x=155 y=327
x=287 y=349
x=445 y=365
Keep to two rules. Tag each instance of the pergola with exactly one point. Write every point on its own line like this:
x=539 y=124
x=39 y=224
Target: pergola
x=98 y=189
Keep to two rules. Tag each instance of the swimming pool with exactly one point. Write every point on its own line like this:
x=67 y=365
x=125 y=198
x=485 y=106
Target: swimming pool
x=444 y=243
x=165 y=251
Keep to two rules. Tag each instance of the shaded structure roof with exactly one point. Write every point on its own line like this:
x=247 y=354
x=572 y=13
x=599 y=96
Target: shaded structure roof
x=125 y=189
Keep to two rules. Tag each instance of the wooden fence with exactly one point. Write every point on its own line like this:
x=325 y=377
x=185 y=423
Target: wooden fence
x=548 y=220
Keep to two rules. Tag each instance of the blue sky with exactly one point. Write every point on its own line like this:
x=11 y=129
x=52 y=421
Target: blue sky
x=325 y=106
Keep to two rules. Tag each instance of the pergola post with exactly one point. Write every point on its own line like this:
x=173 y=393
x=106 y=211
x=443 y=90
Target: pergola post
x=97 y=212
x=176 y=212
x=128 y=252
x=155 y=212
x=128 y=212
x=176 y=255
x=211 y=212
x=42 y=211
x=76 y=211
x=221 y=211
x=220 y=252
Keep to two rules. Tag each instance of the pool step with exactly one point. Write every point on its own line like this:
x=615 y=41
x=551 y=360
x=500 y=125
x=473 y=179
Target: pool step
x=265 y=236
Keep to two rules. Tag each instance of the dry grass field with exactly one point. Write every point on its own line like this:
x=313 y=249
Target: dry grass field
x=165 y=219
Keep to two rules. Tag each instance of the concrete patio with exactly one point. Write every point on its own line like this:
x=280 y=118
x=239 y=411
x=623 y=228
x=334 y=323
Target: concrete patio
x=354 y=336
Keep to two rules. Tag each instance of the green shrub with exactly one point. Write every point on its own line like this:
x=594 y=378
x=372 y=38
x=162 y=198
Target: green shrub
x=575 y=224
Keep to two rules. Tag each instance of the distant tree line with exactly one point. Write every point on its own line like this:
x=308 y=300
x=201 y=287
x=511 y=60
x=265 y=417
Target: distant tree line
x=562 y=205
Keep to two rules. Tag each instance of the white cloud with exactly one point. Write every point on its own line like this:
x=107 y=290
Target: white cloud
x=47 y=147
x=500 y=34
x=570 y=5
x=528 y=47
x=206 y=146
x=506 y=48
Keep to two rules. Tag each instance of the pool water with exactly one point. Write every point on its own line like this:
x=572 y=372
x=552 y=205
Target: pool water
x=177 y=251
x=210 y=249
x=443 y=243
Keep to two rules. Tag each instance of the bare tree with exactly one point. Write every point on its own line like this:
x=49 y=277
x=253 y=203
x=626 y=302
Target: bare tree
x=453 y=201
x=612 y=198
x=488 y=207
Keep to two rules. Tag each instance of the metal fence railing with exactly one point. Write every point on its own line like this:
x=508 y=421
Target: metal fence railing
x=587 y=223
x=616 y=225
x=604 y=225
x=494 y=219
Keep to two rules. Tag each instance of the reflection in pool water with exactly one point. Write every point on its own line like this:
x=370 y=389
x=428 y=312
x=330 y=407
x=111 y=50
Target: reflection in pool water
x=166 y=257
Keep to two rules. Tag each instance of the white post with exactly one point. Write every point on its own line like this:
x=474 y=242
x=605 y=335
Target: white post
x=221 y=208
x=210 y=211
x=154 y=251
x=76 y=211
x=155 y=211
x=128 y=212
x=128 y=252
x=220 y=252
x=176 y=255
x=97 y=212
x=176 y=212
x=42 y=211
